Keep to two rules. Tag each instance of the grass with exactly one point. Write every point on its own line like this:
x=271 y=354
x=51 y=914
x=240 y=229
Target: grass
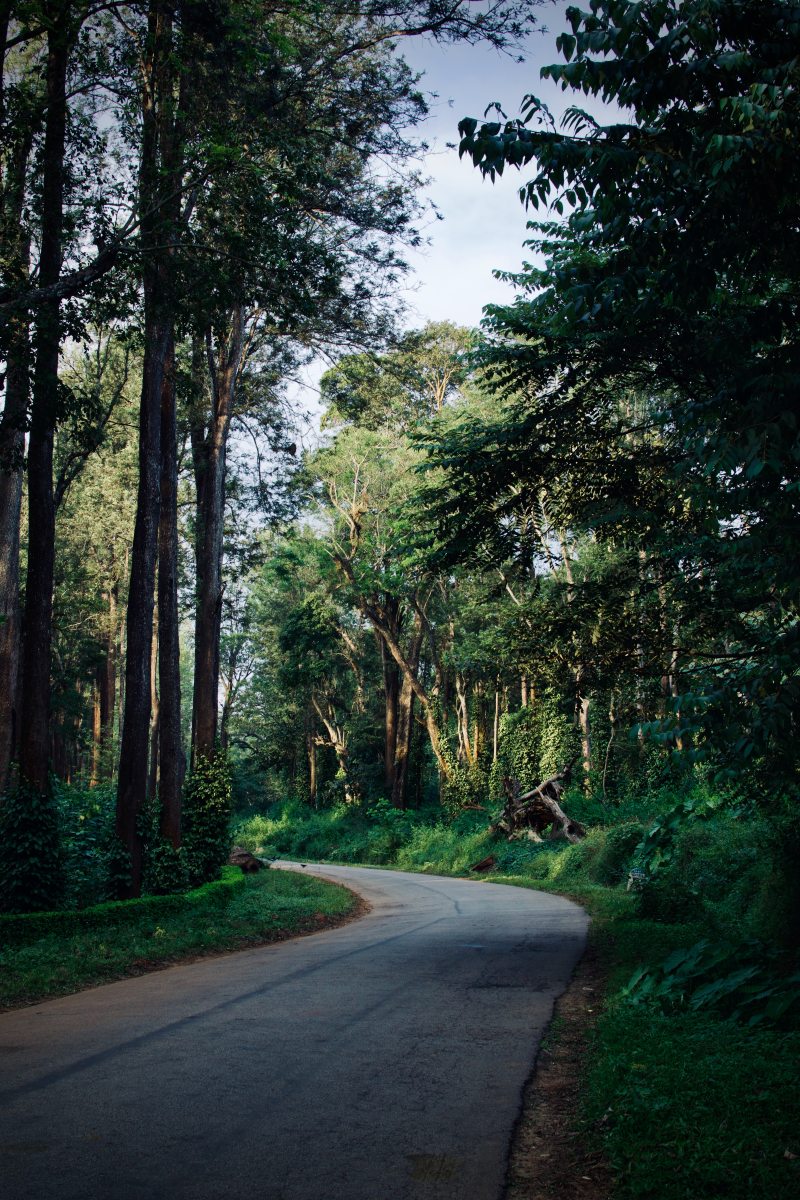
x=268 y=907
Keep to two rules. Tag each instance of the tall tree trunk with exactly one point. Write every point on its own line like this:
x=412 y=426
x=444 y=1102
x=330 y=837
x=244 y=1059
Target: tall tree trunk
x=171 y=759
x=583 y=706
x=391 y=698
x=16 y=241
x=34 y=737
x=157 y=181
x=311 y=755
x=405 y=719
x=405 y=728
x=97 y=728
x=12 y=447
x=107 y=683
x=209 y=453
x=152 y=757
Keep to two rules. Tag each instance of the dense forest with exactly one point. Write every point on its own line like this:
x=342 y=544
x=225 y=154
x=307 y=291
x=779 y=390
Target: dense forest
x=524 y=603
x=564 y=546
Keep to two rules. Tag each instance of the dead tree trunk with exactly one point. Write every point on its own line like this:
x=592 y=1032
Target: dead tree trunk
x=538 y=810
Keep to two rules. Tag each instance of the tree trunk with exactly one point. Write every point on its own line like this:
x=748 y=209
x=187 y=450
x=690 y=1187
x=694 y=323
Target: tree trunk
x=405 y=720
x=405 y=728
x=34 y=735
x=583 y=705
x=157 y=181
x=209 y=453
x=107 y=682
x=391 y=694
x=97 y=729
x=16 y=241
x=311 y=753
x=171 y=759
x=12 y=448
x=152 y=758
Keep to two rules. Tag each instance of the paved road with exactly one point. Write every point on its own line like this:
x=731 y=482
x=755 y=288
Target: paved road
x=380 y=1061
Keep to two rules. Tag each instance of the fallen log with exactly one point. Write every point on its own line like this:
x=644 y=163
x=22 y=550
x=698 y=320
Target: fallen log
x=239 y=857
x=531 y=814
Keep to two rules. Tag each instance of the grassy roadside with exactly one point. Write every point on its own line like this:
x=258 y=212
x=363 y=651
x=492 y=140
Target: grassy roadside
x=681 y=1104
x=684 y=1105
x=263 y=908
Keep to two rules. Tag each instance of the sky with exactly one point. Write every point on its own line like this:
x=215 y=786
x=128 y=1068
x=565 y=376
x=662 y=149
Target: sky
x=484 y=223
x=483 y=226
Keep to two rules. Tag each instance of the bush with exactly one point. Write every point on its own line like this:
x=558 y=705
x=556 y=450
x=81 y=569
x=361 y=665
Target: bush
x=206 y=818
x=22 y=928
x=31 y=856
x=726 y=871
x=86 y=820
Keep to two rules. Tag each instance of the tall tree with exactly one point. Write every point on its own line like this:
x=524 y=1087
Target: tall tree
x=666 y=280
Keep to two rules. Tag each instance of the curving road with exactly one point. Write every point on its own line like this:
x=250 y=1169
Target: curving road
x=384 y=1060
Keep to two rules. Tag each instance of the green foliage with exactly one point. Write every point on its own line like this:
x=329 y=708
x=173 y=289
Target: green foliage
x=55 y=953
x=166 y=869
x=689 y=1106
x=31 y=855
x=688 y=477
x=535 y=743
x=744 y=981
x=86 y=820
x=732 y=873
x=658 y=844
x=24 y=928
x=206 y=818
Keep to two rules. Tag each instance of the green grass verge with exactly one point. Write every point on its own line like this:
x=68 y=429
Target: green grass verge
x=261 y=908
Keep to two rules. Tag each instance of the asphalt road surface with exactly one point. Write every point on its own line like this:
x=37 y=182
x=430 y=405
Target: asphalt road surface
x=384 y=1060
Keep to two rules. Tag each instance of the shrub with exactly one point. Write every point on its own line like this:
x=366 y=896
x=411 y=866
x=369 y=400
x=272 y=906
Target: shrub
x=727 y=872
x=206 y=817
x=31 y=856
x=23 y=928
x=86 y=819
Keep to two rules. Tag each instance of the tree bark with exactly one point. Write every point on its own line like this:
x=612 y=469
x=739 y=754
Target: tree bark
x=152 y=757
x=157 y=181
x=209 y=453
x=16 y=241
x=391 y=698
x=107 y=682
x=34 y=736
x=171 y=758
x=12 y=447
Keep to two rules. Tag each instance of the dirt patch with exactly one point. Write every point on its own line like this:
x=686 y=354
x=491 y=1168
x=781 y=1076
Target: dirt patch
x=550 y=1159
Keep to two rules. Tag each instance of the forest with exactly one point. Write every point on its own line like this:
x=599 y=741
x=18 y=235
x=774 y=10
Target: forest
x=552 y=560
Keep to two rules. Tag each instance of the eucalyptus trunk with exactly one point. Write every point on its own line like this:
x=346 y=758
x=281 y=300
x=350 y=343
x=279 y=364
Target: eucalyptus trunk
x=12 y=448
x=171 y=757
x=34 y=734
x=158 y=189
x=209 y=453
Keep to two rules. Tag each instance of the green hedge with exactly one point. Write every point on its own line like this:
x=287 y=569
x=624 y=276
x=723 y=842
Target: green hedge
x=19 y=929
